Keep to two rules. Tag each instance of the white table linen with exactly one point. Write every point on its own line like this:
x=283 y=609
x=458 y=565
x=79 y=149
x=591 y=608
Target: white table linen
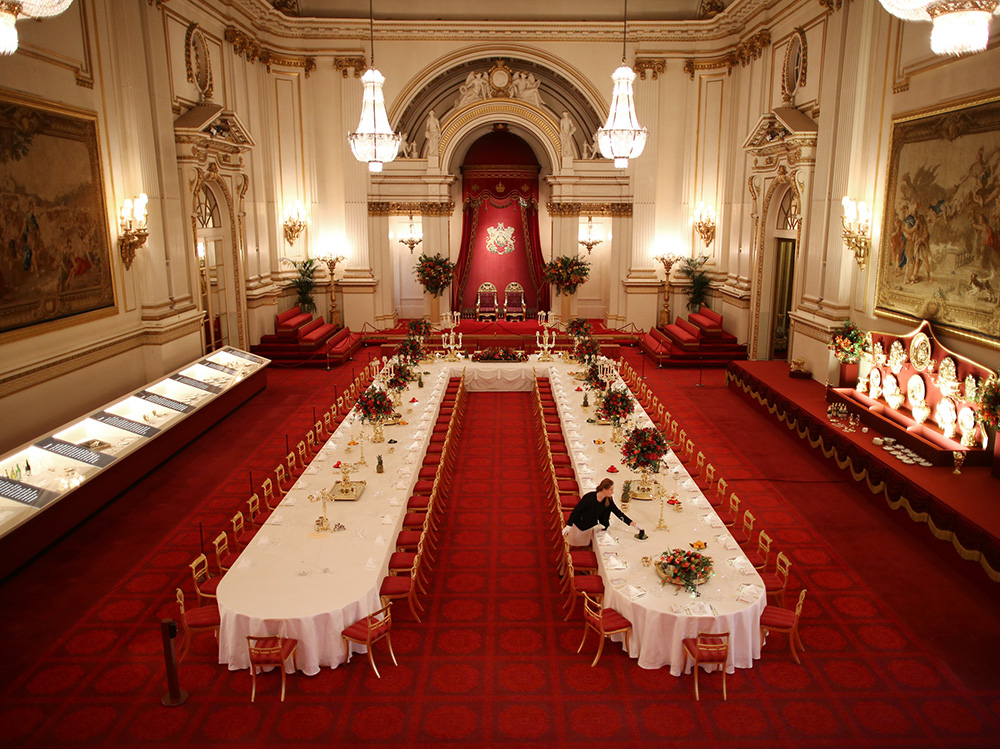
x=661 y=615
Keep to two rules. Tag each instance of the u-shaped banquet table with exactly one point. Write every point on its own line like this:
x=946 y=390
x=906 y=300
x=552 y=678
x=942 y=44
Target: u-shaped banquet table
x=294 y=582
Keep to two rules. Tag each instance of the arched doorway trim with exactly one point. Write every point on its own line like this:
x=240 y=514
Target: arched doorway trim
x=481 y=115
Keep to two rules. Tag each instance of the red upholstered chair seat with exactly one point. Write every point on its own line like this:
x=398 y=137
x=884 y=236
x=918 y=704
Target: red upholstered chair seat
x=715 y=501
x=267 y=659
x=435 y=448
x=592 y=584
x=553 y=428
x=566 y=486
x=553 y=419
x=565 y=472
x=209 y=586
x=395 y=585
x=776 y=617
x=417 y=503
x=402 y=560
x=441 y=428
x=408 y=539
x=439 y=436
x=584 y=560
x=772 y=583
x=358 y=630
x=424 y=487
x=228 y=561
x=203 y=616
x=428 y=473
x=561 y=459
x=414 y=520
x=613 y=620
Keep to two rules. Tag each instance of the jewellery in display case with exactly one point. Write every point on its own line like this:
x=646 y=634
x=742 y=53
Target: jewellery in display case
x=897 y=356
x=920 y=351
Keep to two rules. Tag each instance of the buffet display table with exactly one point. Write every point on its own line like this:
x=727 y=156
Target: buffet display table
x=294 y=582
x=662 y=615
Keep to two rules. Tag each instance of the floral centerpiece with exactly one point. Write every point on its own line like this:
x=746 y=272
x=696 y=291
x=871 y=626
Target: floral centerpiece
x=848 y=343
x=594 y=380
x=499 y=353
x=641 y=452
x=586 y=351
x=686 y=569
x=616 y=406
x=374 y=405
x=410 y=350
x=434 y=273
x=400 y=375
x=418 y=328
x=579 y=327
x=566 y=273
x=988 y=400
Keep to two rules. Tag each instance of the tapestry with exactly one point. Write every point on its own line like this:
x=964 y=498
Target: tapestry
x=54 y=246
x=940 y=246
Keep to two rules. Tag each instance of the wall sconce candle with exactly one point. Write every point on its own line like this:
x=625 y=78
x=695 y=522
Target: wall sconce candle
x=704 y=222
x=132 y=223
x=294 y=222
x=857 y=222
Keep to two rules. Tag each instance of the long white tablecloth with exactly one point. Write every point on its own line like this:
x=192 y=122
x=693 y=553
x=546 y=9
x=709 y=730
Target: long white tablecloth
x=294 y=582
x=662 y=615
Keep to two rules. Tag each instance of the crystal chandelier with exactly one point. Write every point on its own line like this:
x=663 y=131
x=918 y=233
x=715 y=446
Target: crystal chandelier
x=11 y=10
x=621 y=138
x=374 y=140
x=960 y=26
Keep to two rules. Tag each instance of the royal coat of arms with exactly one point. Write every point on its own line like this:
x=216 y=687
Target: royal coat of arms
x=500 y=239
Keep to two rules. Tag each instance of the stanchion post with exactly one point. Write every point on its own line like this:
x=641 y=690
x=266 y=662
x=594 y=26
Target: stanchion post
x=175 y=695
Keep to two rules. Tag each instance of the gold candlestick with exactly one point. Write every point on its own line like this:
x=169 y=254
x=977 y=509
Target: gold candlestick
x=661 y=526
x=322 y=522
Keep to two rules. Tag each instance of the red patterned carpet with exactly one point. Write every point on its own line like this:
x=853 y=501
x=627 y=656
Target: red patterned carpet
x=493 y=663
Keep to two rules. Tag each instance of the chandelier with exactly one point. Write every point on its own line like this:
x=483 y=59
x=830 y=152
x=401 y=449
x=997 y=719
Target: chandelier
x=589 y=240
x=959 y=26
x=621 y=138
x=11 y=10
x=374 y=140
x=412 y=238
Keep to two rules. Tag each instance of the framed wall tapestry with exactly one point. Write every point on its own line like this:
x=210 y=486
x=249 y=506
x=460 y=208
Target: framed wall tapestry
x=940 y=245
x=55 y=259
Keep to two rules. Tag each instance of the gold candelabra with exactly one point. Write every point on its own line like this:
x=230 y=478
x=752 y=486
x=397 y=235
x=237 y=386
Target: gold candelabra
x=857 y=221
x=322 y=522
x=132 y=222
x=667 y=260
x=332 y=261
x=412 y=239
x=294 y=222
x=704 y=223
x=662 y=494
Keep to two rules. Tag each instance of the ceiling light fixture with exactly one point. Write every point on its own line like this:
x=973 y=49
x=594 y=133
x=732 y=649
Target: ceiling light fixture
x=374 y=141
x=960 y=26
x=621 y=138
x=11 y=10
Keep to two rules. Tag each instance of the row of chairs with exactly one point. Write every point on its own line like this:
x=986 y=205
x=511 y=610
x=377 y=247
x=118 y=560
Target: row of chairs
x=578 y=567
x=775 y=618
x=205 y=616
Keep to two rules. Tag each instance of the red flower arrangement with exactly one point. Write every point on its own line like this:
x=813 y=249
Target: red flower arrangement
x=579 y=327
x=566 y=273
x=643 y=448
x=374 y=405
x=400 y=376
x=418 y=328
x=499 y=353
x=594 y=381
x=616 y=406
x=435 y=273
x=410 y=350
x=687 y=569
x=586 y=351
x=848 y=343
x=988 y=400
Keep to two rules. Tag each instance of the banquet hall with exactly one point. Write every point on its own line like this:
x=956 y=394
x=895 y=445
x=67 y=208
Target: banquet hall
x=771 y=225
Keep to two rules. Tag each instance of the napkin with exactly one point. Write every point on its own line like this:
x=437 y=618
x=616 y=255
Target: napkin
x=677 y=609
x=634 y=593
x=395 y=502
x=750 y=593
x=310 y=471
x=5 y=514
x=606 y=539
x=275 y=520
x=387 y=520
x=409 y=460
x=700 y=609
x=289 y=501
x=612 y=562
x=379 y=541
x=727 y=541
x=370 y=564
x=264 y=540
x=244 y=564
x=401 y=485
x=742 y=564
x=617 y=582
x=713 y=520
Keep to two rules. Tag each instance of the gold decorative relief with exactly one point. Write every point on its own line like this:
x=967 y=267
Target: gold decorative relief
x=344 y=64
x=655 y=65
x=250 y=49
x=386 y=208
x=589 y=209
x=742 y=54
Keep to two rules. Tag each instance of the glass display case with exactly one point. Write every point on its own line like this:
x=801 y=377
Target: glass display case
x=39 y=475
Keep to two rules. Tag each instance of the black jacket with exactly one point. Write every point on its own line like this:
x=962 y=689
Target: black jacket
x=590 y=511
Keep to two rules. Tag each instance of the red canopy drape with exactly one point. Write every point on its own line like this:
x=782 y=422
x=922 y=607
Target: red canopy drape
x=500 y=238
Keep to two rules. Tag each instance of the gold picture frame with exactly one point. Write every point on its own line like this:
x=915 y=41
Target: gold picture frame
x=55 y=249
x=939 y=255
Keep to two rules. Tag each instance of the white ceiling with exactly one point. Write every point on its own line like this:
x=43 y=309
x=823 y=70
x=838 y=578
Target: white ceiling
x=568 y=11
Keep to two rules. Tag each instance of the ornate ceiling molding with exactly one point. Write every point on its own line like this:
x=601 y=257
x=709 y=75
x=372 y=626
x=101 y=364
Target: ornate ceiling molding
x=655 y=65
x=621 y=210
x=736 y=18
x=742 y=54
x=249 y=48
x=422 y=208
x=344 y=64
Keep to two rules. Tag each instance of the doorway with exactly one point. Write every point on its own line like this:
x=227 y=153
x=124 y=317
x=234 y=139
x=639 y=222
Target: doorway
x=785 y=226
x=210 y=248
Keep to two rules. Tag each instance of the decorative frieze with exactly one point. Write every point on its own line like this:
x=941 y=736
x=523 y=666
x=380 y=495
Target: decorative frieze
x=589 y=209
x=250 y=49
x=422 y=208
x=343 y=64
x=655 y=65
x=743 y=54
